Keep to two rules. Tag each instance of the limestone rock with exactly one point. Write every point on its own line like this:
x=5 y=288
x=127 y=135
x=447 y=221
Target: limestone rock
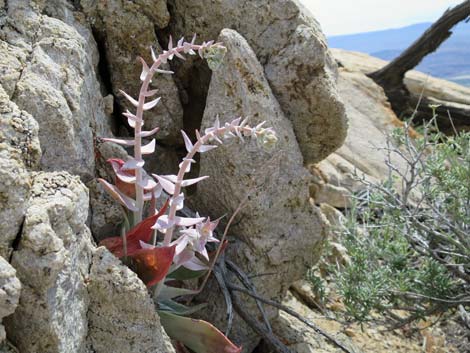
x=279 y=230
x=75 y=298
x=362 y=155
x=124 y=320
x=290 y=45
x=417 y=82
x=10 y=288
x=52 y=261
x=57 y=85
x=19 y=152
x=139 y=18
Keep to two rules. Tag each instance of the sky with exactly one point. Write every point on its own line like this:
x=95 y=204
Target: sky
x=356 y=16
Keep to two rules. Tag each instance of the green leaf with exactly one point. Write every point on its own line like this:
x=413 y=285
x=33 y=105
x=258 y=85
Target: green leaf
x=179 y=309
x=182 y=274
x=169 y=292
x=198 y=335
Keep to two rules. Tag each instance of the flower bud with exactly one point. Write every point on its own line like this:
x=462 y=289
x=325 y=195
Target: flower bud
x=214 y=55
x=267 y=139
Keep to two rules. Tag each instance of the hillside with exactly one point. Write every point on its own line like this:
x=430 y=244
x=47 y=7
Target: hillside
x=449 y=62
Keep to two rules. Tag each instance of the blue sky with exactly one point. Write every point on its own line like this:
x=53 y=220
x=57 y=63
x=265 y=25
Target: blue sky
x=355 y=16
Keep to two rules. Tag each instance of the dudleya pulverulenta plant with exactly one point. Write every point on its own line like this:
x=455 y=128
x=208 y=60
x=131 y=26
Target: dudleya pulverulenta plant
x=182 y=253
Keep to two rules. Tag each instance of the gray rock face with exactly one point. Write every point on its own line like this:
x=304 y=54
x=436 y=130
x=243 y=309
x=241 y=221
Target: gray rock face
x=19 y=152
x=129 y=312
x=75 y=298
x=53 y=78
x=52 y=263
x=290 y=45
x=10 y=288
x=139 y=19
x=280 y=231
x=371 y=118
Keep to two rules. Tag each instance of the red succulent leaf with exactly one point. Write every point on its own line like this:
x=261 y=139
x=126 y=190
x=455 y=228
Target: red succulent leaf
x=152 y=265
x=141 y=232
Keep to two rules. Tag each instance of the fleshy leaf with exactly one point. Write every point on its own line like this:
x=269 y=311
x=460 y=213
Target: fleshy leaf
x=149 y=133
x=151 y=104
x=118 y=195
x=173 y=307
x=132 y=164
x=183 y=274
x=163 y=223
x=119 y=141
x=165 y=71
x=188 y=182
x=152 y=265
x=187 y=142
x=205 y=148
x=141 y=232
x=188 y=167
x=145 y=69
x=149 y=148
x=188 y=221
x=169 y=292
x=198 y=335
x=166 y=184
x=129 y=98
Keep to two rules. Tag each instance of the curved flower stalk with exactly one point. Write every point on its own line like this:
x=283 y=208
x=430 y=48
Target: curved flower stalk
x=153 y=261
x=214 y=53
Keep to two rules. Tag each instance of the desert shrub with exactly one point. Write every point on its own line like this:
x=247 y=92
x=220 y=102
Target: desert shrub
x=408 y=237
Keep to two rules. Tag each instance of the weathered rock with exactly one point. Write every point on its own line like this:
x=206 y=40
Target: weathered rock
x=56 y=84
x=279 y=230
x=10 y=288
x=362 y=155
x=125 y=320
x=52 y=261
x=139 y=18
x=19 y=152
x=417 y=82
x=290 y=45
x=75 y=298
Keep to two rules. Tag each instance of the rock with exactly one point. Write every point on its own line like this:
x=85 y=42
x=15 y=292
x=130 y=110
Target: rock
x=417 y=82
x=75 y=298
x=19 y=152
x=122 y=47
x=362 y=155
x=57 y=85
x=10 y=288
x=290 y=45
x=52 y=261
x=278 y=230
x=124 y=320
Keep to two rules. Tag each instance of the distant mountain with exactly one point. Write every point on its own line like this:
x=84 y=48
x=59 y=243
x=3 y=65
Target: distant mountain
x=451 y=61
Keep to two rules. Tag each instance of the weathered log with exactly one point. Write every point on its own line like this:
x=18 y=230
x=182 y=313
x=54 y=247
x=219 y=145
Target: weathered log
x=390 y=77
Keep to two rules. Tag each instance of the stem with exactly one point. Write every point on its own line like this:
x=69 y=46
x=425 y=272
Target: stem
x=139 y=190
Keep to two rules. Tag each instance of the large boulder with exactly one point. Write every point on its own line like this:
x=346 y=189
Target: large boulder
x=278 y=231
x=121 y=48
x=53 y=78
x=19 y=153
x=363 y=154
x=292 y=50
x=75 y=297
